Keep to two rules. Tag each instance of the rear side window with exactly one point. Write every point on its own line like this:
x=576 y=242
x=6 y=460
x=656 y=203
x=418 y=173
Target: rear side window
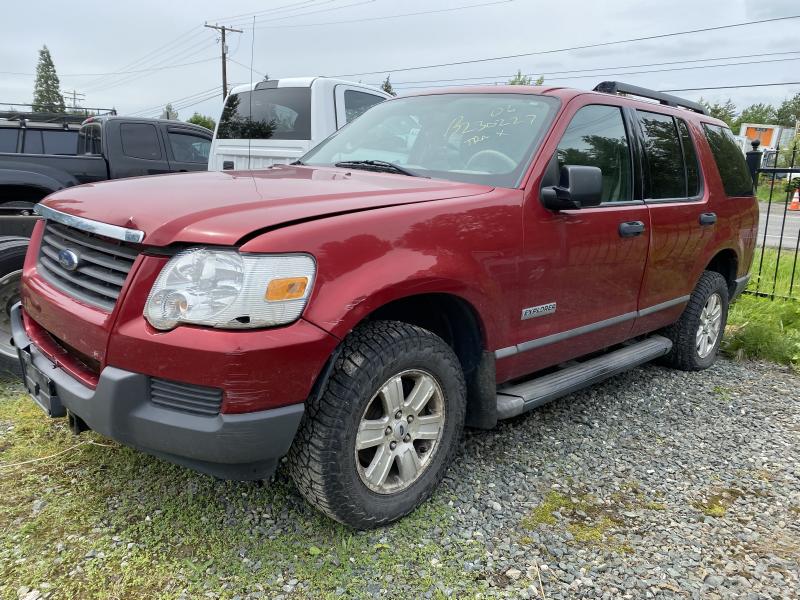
x=33 y=142
x=664 y=157
x=355 y=103
x=140 y=140
x=272 y=113
x=596 y=137
x=730 y=161
x=60 y=142
x=690 y=159
x=8 y=139
x=189 y=148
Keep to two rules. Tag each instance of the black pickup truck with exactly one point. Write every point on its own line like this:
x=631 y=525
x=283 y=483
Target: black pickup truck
x=108 y=147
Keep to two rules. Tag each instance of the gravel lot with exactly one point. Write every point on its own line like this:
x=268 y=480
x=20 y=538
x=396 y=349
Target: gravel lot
x=655 y=484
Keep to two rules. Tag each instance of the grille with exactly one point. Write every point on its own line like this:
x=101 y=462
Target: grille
x=103 y=265
x=190 y=398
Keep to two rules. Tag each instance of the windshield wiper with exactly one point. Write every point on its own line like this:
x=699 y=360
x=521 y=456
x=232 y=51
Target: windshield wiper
x=375 y=165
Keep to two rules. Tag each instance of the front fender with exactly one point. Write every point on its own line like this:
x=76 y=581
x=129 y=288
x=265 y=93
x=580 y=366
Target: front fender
x=466 y=247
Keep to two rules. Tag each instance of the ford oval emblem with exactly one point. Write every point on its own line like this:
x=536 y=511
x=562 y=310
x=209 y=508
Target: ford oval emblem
x=68 y=259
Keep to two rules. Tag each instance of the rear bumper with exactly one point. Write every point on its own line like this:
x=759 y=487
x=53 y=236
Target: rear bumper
x=231 y=446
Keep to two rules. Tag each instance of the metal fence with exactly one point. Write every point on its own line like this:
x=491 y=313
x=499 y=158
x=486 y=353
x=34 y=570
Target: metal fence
x=775 y=272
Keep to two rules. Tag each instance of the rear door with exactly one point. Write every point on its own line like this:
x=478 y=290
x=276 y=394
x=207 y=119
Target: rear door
x=137 y=150
x=352 y=102
x=187 y=149
x=582 y=269
x=682 y=223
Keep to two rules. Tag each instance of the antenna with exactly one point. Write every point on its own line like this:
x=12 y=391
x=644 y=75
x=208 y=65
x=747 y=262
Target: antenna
x=250 y=110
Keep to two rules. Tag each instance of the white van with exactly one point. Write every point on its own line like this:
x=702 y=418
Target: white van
x=289 y=117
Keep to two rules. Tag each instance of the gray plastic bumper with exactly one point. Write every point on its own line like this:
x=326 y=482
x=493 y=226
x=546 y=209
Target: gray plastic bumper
x=231 y=446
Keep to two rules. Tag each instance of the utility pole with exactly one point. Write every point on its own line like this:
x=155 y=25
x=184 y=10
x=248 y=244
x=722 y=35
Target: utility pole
x=76 y=95
x=222 y=29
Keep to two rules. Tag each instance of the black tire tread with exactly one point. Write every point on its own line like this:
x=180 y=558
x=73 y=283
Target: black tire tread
x=314 y=458
x=683 y=355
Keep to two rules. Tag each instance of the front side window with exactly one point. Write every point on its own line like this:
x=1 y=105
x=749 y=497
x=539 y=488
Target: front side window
x=664 y=158
x=271 y=113
x=140 y=140
x=189 y=148
x=476 y=138
x=730 y=161
x=355 y=103
x=596 y=137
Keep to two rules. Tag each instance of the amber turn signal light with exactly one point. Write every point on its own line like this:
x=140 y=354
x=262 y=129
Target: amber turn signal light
x=287 y=288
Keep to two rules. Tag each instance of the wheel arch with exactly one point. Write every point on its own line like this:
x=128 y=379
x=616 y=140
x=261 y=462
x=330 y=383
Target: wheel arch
x=726 y=263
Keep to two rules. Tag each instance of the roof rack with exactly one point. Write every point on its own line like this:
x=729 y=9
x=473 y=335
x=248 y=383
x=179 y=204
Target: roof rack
x=617 y=87
x=75 y=115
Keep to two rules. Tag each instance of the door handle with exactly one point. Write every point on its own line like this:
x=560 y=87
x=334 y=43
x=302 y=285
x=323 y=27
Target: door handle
x=707 y=219
x=631 y=228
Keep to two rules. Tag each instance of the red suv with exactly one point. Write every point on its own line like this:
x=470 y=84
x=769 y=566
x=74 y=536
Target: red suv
x=450 y=258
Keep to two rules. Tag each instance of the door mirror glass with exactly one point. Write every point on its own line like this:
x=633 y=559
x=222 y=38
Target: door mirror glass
x=579 y=187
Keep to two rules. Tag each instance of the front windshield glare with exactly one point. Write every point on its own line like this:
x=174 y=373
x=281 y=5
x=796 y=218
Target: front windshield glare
x=475 y=138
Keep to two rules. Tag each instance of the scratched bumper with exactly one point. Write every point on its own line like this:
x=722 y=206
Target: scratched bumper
x=231 y=446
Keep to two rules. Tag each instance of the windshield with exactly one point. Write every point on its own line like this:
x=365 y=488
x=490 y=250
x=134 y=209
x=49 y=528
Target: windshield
x=473 y=138
x=277 y=113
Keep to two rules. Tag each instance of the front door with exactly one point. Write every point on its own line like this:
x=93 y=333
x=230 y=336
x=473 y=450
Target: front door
x=582 y=269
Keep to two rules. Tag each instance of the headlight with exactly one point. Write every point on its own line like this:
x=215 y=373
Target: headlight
x=226 y=289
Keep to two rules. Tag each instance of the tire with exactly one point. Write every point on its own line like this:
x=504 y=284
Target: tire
x=345 y=483
x=688 y=353
x=12 y=257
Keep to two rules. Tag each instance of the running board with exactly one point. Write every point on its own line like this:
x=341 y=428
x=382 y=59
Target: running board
x=522 y=397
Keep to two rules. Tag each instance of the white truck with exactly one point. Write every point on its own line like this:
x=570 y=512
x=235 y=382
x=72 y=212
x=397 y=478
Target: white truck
x=277 y=121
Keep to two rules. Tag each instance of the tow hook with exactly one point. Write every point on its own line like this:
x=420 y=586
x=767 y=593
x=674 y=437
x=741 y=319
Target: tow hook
x=76 y=424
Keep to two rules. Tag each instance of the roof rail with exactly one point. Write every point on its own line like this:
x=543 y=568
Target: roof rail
x=10 y=112
x=617 y=87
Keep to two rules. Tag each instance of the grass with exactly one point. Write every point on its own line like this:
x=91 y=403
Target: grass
x=110 y=522
x=718 y=504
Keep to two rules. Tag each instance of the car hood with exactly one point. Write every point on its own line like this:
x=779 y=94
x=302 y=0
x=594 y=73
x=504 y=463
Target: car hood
x=222 y=207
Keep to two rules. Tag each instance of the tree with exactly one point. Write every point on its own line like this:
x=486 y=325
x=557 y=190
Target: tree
x=520 y=79
x=202 y=120
x=47 y=88
x=755 y=113
x=386 y=86
x=789 y=111
x=725 y=111
x=169 y=113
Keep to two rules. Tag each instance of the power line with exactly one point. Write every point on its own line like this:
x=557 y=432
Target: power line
x=293 y=6
x=595 y=75
x=158 y=106
x=365 y=19
x=570 y=48
x=658 y=64
x=313 y=12
x=730 y=87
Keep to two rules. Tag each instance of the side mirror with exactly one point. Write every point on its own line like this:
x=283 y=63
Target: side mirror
x=579 y=187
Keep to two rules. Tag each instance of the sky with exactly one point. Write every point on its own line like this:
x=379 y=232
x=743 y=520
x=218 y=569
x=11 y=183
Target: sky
x=177 y=60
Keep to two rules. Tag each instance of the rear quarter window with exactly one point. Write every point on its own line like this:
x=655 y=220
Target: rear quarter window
x=730 y=161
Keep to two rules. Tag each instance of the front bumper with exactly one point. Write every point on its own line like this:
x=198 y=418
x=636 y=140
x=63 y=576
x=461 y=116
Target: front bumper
x=230 y=446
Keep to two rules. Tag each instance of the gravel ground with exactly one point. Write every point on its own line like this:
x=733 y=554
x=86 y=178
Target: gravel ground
x=661 y=484
x=656 y=484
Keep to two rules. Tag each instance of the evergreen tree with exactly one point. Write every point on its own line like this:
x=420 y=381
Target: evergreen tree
x=789 y=111
x=725 y=111
x=386 y=86
x=47 y=89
